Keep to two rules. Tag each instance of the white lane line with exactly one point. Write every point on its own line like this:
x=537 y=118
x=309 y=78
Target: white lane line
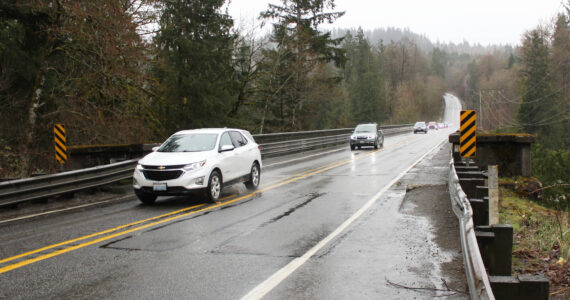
x=63 y=209
x=270 y=283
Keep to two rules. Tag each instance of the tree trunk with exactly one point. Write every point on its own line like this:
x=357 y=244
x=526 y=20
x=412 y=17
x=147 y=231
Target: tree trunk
x=35 y=104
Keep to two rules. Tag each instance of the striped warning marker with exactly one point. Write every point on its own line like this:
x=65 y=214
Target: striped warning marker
x=60 y=146
x=467 y=135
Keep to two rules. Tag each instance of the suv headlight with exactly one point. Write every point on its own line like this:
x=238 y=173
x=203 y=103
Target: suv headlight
x=194 y=166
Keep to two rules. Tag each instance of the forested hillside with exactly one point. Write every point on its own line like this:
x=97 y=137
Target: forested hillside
x=125 y=71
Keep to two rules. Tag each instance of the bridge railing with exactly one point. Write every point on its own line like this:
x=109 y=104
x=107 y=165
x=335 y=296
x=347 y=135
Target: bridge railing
x=477 y=277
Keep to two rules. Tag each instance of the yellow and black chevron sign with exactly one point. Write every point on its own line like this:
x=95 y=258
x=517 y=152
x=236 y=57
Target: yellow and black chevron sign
x=467 y=135
x=60 y=146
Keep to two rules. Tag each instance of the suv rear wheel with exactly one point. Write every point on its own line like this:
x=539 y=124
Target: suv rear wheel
x=254 y=176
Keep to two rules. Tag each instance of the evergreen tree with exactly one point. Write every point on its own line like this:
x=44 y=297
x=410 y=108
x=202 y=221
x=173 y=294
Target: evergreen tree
x=364 y=83
x=194 y=63
x=300 y=50
x=511 y=61
x=561 y=68
x=473 y=86
x=539 y=108
x=438 y=62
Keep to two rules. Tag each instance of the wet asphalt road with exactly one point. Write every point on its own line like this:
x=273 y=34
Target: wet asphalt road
x=183 y=247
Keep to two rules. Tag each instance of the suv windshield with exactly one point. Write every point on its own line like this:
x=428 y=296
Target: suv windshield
x=365 y=128
x=194 y=142
x=420 y=124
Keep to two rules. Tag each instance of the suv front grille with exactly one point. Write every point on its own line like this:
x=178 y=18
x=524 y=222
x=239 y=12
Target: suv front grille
x=161 y=175
x=163 y=167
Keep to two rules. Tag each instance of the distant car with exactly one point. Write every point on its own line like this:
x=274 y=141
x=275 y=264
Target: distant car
x=432 y=126
x=367 y=135
x=420 y=127
x=440 y=125
x=198 y=160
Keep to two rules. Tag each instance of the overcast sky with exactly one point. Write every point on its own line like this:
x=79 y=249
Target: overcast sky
x=476 y=21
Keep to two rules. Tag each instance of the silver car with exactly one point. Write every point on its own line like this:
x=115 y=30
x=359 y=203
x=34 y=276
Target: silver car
x=368 y=134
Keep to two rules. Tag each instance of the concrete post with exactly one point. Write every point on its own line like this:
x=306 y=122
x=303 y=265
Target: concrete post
x=493 y=175
x=525 y=160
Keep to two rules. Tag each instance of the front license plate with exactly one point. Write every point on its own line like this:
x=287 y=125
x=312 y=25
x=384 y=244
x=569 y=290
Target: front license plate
x=159 y=187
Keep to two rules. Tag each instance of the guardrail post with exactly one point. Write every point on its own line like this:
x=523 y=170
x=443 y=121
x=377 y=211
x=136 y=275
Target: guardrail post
x=496 y=246
x=470 y=174
x=459 y=168
x=522 y=287
x=481 y=191
x=480 y=211
x=502 y=257
x=469 y=186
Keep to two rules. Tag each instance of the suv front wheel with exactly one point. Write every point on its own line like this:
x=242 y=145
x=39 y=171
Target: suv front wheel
x=214 y=189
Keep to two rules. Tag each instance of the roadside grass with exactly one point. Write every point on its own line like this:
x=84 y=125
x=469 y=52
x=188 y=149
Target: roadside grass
x=541 y=241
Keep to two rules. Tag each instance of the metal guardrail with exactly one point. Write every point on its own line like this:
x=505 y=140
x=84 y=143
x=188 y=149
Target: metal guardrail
x=294 y=146
x=341 y=136
x=477 y=278
x=23 y=190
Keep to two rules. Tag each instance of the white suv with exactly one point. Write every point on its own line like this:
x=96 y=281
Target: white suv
x=200 y=159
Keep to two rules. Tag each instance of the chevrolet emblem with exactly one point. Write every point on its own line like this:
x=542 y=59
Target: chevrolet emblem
x=161 y=168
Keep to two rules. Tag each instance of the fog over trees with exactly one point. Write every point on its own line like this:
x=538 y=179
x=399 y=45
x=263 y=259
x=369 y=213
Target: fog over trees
x=93 y=67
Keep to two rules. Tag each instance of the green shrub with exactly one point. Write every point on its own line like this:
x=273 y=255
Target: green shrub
x=552 y=168
x=10 y=162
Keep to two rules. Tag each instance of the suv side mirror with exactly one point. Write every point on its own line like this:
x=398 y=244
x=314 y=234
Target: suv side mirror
x=226 y=148
x=155 y=148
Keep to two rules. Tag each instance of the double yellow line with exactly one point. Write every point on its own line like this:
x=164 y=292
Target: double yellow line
x=43 y=253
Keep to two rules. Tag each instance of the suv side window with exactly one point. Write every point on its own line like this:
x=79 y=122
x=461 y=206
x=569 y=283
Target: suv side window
x=238 y=139
x=248 y=135
x=225 y=140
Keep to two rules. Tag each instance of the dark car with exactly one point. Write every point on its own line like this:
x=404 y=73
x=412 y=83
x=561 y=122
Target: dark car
x=368 y=134
x=432 y=126
x=420 y=127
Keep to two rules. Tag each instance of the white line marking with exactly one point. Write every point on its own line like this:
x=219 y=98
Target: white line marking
x=60 y=210
x=270 y=283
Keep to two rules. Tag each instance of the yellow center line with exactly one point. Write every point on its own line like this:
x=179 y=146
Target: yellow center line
x=278 y=183
x=97 y=234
